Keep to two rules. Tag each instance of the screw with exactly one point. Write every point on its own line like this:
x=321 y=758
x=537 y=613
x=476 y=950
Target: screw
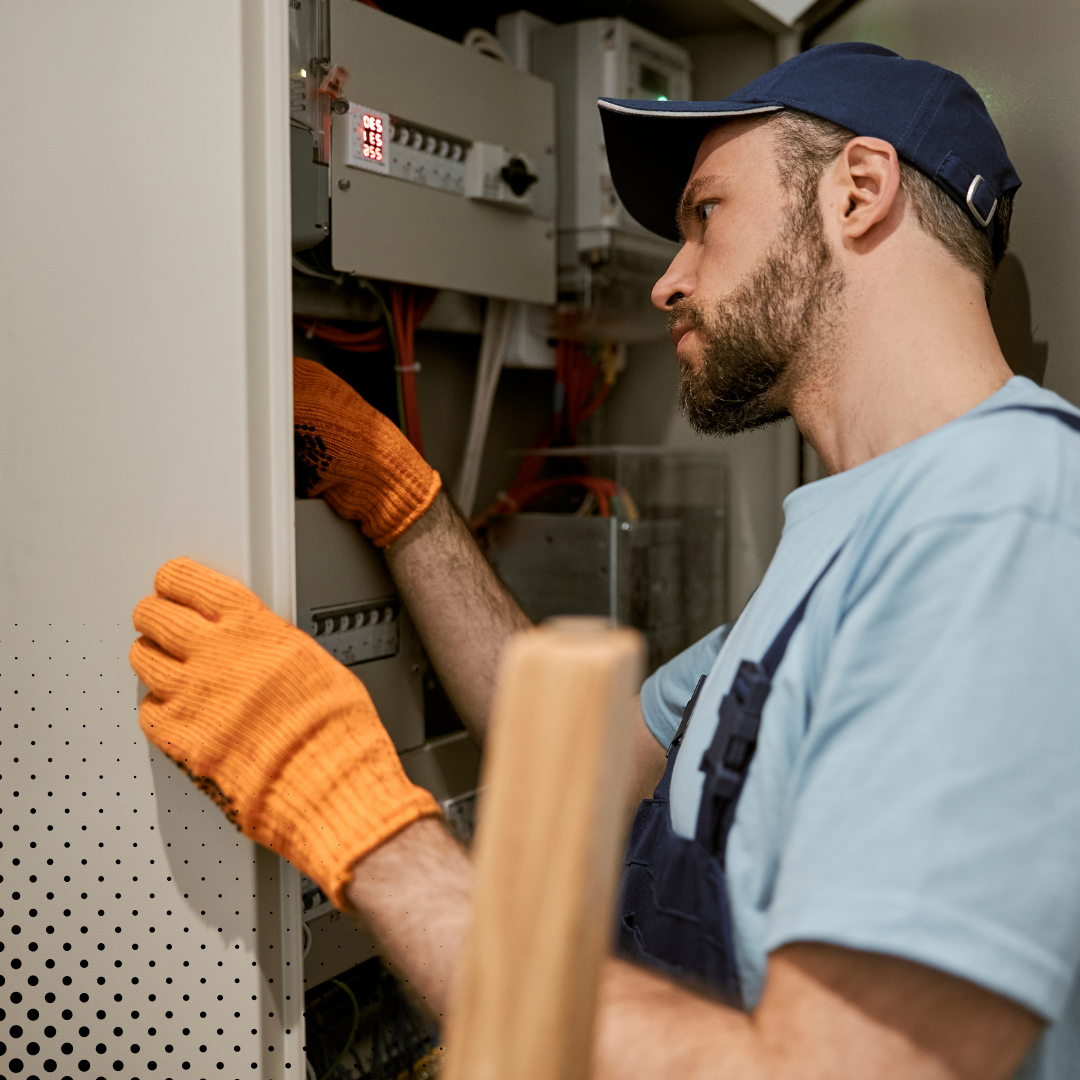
x=344 y=184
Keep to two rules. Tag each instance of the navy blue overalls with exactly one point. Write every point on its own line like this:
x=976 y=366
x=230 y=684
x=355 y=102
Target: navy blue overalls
x=674 y=911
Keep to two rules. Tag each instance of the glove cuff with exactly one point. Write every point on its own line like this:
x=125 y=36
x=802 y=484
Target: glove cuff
x=342 y=795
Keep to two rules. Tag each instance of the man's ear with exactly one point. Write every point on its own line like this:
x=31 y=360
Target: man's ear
x=866 y=182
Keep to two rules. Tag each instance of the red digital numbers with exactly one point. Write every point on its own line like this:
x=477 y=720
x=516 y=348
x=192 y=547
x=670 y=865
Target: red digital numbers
x=373 y=137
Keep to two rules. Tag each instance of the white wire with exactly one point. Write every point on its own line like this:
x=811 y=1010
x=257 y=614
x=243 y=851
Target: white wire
x=310 y=271
x=498 y=323
x=485 y=43
x=309 y=1069
x=309 y=940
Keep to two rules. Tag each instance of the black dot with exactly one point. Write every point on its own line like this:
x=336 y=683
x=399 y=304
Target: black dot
x=100 y=1048
x=32 y=1014
x=117 y=1065
x=84 y=1031
x=16 y=1032
x=49 y=1066
x=151 y=1065
x=33 y=1049
x=134 y=1048
x=84 y=1066
x=50 y=1032
x=67 y=1048
x=15 y=1065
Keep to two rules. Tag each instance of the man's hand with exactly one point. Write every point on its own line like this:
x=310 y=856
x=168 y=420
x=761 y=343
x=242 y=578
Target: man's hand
x=282 y=737
x=355 y=458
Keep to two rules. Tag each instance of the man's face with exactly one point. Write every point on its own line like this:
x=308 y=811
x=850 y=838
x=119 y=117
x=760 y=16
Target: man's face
x=753 y=294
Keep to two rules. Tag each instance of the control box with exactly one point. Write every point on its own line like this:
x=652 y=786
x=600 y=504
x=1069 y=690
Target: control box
x=607 y=261
x=441 y=161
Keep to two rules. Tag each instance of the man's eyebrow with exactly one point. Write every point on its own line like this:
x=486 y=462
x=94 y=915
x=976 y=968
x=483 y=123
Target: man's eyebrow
x=690 y=196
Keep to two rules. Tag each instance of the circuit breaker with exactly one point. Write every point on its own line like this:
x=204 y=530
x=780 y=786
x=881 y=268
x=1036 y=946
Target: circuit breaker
x=439 y=161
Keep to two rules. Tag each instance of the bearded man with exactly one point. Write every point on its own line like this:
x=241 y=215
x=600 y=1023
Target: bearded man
x=861 y=859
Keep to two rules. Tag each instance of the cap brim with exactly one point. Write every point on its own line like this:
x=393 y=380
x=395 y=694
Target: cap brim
x=651 y=146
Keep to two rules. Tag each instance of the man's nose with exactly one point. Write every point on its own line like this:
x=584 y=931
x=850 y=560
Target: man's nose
x=677 y=283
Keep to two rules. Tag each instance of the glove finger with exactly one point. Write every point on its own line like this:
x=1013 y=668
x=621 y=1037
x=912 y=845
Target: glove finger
x=211 y=594
x=154 y=722
x=172 y=627
x=159 y=672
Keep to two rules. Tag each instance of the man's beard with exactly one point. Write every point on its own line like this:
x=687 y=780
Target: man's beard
x=785 y=312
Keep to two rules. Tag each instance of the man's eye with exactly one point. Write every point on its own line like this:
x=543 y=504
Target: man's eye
x=704 y=210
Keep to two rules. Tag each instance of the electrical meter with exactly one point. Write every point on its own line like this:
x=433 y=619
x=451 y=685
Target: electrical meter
x=607 y=261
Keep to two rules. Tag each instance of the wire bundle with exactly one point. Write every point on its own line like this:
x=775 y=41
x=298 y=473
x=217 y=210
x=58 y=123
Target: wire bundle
x=408 y=306
x=583 y=379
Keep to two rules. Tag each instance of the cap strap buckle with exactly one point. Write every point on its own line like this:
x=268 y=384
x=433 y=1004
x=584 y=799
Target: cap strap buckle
x=983 y=221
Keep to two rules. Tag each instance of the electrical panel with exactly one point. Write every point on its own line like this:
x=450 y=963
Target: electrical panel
x=607 y=261
x=347 y=601
x=439 y=161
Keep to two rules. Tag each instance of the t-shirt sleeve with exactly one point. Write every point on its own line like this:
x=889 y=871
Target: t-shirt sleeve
x=667 y=690
x=935 y=810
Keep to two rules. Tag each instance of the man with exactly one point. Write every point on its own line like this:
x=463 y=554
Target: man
x=894 y=714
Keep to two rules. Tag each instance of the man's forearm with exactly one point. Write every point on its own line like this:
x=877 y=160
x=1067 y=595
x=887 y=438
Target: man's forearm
x=825 y=1011
x=464 y=613
x=414 y=895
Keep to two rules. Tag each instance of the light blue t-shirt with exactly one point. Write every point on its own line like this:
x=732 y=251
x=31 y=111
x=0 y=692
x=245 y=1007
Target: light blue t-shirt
x=916 y=788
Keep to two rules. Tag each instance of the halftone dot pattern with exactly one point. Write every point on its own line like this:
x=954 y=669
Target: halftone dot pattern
x=135 y=941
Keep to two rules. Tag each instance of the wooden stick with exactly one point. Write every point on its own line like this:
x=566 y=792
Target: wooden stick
x=547 y=854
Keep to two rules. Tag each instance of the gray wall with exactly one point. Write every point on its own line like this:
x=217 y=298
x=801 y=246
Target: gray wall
x=1022 y=59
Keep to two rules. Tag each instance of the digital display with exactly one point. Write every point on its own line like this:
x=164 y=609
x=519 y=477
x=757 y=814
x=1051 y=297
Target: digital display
x=373 y=131
x=370 y=133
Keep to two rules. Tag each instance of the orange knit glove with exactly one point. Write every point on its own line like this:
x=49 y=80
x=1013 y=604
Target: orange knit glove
x=279 y=734
x=355 y=458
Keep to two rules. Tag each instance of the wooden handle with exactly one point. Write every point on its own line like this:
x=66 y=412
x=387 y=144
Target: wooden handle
x=547 y=854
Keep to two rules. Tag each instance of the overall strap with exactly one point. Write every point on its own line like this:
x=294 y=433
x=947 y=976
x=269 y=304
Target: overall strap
x=727 y=760
x=686 y=714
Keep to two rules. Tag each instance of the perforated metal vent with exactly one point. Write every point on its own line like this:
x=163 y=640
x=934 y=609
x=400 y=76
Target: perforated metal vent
x=140 y=933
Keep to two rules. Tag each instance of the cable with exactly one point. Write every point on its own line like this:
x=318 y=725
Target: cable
x=485 y=43
x=498 y=323
x=299 y=264
x=352 y=1031
x=375 y=340
x=409 y=304
x=584 y=376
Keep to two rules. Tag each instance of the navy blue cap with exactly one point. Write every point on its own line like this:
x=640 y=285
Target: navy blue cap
x=932 y=116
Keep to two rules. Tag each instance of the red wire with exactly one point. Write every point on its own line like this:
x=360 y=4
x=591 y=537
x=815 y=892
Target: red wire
x=363 y=341
x=408 y=305
x=581 y=395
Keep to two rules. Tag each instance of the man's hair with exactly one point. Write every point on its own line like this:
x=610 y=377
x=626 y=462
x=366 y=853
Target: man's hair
x=809 y=145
